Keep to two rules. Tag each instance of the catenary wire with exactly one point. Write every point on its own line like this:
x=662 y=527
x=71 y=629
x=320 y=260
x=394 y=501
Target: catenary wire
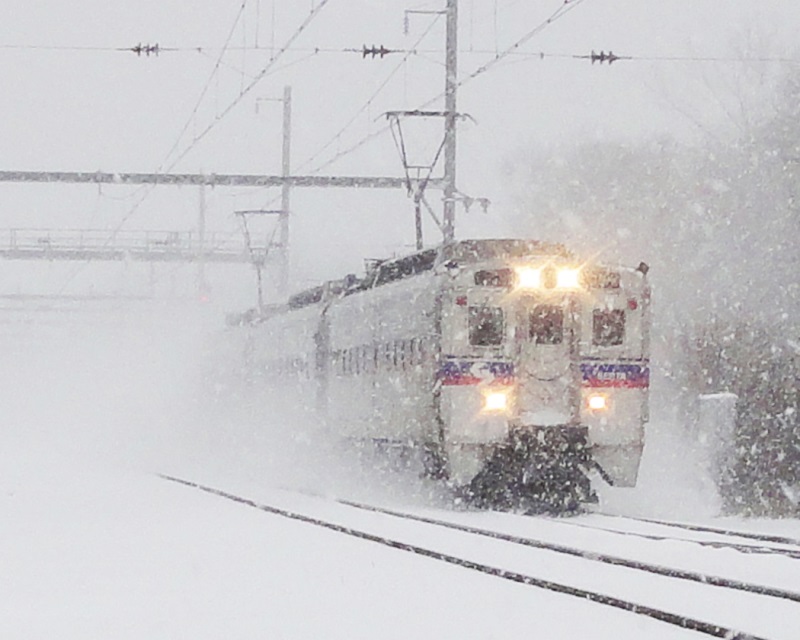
x=563 y=9
x=259 y=76
x=143 y=192
x=372 y=98
x=541 y=55
x=263 y=73
x=207 y=85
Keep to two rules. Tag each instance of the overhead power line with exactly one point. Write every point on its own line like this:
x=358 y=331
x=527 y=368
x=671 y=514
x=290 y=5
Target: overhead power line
x=157 y=49
x=204 y=91
x=371 y=99
x=139 y=48
x=135 y=207
x=258 y=77
x=565 y=7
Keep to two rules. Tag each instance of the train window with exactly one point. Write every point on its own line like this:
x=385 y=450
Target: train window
x=387 y=355
x=406 y=267
x=600 y=279
x=486 y=326
x=608 y=327
x=547 y=324
x=306 y=298
x=494 y=278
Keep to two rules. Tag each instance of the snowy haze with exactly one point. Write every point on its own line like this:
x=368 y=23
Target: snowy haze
x=104 y=393
x=111 y=111
x=541 y=127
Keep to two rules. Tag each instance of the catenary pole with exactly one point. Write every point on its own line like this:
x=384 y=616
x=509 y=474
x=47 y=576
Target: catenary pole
x=451 y=86
x=283 y=220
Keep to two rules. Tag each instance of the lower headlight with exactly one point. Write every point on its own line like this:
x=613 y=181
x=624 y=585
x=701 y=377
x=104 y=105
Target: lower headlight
x=597 y=402
x=495 y=401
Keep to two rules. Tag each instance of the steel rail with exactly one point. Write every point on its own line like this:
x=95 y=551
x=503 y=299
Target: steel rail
x=761 y=537
x=647 y=567
x=715 y=544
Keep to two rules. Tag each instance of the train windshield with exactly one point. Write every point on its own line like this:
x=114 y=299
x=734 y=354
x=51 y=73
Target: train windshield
x=494 y=278
x=486 y=326
x=608 y=327
x=547 y=324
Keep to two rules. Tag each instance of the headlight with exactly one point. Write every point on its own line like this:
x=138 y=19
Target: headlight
x=529 y=278
x=568 y=279
x=495 y=401
x=597 y=402
x=548 y=278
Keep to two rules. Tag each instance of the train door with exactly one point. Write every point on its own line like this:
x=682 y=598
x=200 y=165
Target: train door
x=546 y=339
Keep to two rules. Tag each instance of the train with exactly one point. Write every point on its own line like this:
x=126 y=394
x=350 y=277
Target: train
x=517 y=374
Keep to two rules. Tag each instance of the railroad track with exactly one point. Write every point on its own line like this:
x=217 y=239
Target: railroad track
x=790 y=550
x=688 y=622
x=761 y=537
x=594 y=556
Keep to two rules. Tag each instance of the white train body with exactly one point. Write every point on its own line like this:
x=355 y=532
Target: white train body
x=465 y=351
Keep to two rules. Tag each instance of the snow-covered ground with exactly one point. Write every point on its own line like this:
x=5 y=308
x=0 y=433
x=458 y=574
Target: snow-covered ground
x=93 y=544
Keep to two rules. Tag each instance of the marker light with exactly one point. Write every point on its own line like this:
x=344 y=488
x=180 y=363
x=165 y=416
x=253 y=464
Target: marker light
x=495 y=401
x=597 y=403
x=529 y=278
x=568 y=279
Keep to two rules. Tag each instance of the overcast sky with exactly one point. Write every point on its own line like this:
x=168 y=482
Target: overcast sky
x=73 y=105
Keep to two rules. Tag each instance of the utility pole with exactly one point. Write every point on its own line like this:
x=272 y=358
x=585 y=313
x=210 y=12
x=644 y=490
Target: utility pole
x=202 y=285
x=283 y=220
x=451 y=114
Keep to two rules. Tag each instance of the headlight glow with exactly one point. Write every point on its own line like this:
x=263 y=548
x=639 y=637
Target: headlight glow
x=597 y=402
x=529 y=278
x=495 y=401
x=568 y=279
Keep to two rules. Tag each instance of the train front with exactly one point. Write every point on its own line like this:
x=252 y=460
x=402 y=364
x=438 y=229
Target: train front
x=543 y=375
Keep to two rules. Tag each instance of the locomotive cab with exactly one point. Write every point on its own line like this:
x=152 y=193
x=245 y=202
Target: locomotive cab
x=511 y=384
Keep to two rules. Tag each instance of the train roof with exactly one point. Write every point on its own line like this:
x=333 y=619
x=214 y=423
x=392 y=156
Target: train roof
x=479 y=250
x=462 y=252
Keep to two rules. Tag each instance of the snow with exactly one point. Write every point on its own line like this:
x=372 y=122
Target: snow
x=99 y=553
x=101 y=397
x=94 y=544
x=544 y=417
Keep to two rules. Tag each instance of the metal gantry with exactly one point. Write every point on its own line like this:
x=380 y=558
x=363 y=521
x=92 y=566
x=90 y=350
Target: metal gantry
x=205 y=179
x=175 y=245
x=141 y=246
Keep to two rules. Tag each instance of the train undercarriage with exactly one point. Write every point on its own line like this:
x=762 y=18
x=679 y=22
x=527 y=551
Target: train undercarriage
x=537 y=470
